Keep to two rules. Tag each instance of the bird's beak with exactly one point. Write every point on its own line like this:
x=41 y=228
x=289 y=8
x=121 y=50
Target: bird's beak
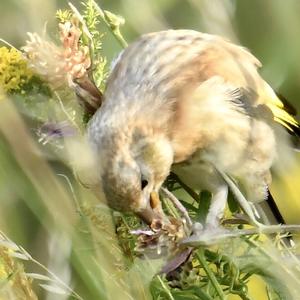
x=153 y=211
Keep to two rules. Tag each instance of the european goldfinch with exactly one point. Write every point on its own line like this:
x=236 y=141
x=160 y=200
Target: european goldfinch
x=191 y=103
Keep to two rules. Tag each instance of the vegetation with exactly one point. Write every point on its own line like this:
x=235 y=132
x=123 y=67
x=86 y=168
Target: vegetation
x=60 y=241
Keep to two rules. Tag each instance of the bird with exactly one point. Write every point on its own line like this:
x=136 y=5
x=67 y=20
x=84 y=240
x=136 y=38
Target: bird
x=193 y=104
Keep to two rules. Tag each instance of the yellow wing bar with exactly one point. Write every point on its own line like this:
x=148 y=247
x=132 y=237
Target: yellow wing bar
x=281 y=115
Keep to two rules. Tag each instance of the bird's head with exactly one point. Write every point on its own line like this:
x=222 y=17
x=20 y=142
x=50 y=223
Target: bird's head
x=133 y=170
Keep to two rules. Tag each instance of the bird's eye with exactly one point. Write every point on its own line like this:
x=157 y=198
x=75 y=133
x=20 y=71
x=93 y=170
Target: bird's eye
x=144 y=183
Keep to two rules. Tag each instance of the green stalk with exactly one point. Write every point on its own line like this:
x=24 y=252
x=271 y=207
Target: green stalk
x=166 y=289
x=112 y=27
x=85 y=30
x=201 y=257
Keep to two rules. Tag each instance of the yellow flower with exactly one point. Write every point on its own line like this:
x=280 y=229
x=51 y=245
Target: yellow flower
x=14 y=73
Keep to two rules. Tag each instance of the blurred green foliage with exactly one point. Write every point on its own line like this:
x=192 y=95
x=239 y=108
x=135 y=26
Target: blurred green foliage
x=38 y=208
x=269 y=28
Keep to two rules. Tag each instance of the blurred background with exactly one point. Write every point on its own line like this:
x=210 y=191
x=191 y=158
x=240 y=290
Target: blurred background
x=269 y=28
x=35 y=200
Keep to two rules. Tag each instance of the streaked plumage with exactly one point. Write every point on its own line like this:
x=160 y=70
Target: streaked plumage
x=193 y=103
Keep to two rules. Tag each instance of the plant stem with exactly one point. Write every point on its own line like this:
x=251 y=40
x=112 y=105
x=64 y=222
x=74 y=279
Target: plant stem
x=85 y=30
x=166 y=289
x=65 y=112
x=178 y=205
x=274 y=259
x=76 y=201
x=114 y=29
x=201 y=257
x=30 y=258
x=216 y=238
x=8 y=44
x=57 y=279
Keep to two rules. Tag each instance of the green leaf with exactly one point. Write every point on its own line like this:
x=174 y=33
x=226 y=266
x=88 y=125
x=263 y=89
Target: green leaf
x=205 y=199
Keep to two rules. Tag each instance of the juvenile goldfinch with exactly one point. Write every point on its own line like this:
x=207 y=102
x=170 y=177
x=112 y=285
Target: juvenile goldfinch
x=190 y=103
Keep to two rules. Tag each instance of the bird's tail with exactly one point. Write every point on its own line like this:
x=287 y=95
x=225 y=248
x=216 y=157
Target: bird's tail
x=274 y=209
x=268 y=211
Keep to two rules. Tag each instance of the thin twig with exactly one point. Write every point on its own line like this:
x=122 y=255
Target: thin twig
x=114 y=29
x=8 y=44
x=85 y=31
x=76 y=201
x=211 y=238
x=65 y=111
x=178 y=205
x=80 y=18
x=55 y=277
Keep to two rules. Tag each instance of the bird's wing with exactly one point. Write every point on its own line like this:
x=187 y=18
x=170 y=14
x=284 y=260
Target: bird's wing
x=251 y=80
x=279 y=109
x=215 y=109
x=222 y=67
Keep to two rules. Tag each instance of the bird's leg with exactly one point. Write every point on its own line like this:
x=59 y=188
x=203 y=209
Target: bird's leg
x=211 y=229
x=217 y=207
